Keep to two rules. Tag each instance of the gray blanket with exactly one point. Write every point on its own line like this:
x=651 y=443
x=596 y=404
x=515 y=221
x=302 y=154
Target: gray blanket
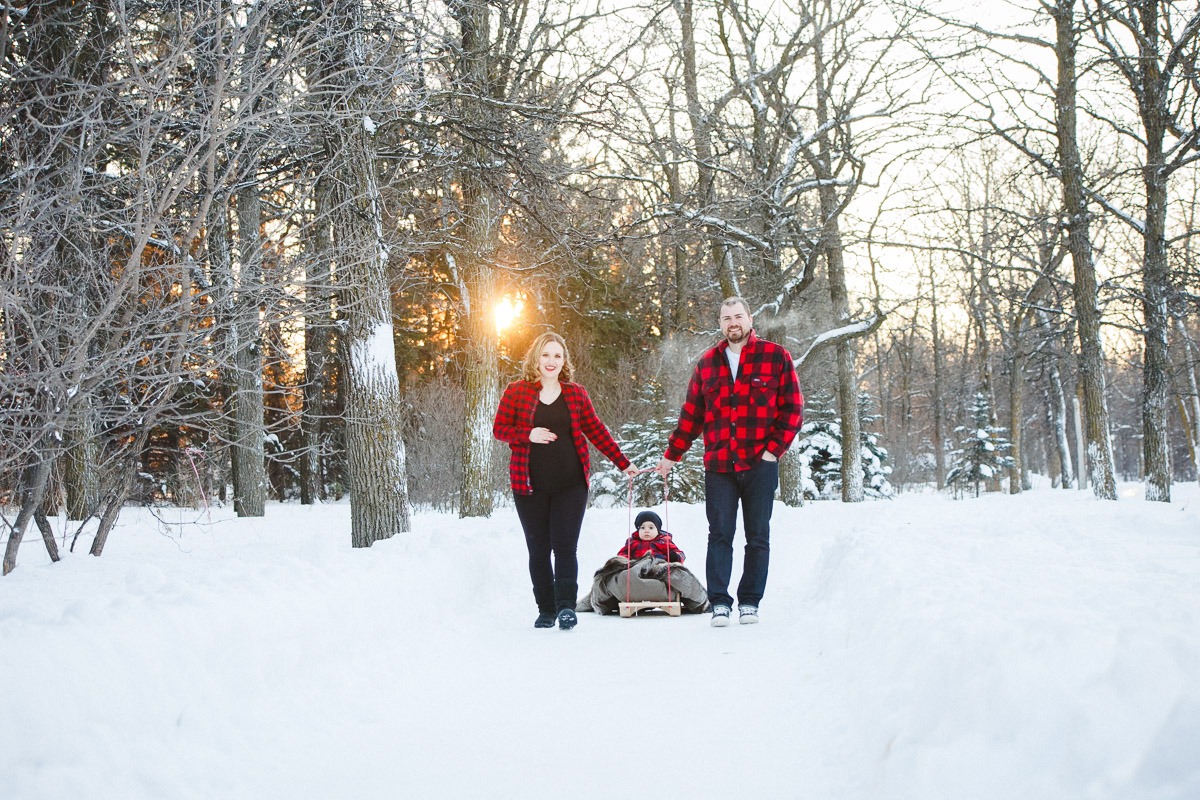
x=647 y=582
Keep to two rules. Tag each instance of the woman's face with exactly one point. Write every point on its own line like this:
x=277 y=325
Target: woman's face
x=550 y=362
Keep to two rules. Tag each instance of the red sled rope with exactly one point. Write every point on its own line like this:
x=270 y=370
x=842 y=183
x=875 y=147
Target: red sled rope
x=629 y=608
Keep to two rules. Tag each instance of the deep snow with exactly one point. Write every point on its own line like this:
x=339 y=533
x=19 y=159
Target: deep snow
x=1039 y=646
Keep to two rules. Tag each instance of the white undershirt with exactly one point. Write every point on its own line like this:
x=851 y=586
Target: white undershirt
x=735 y=361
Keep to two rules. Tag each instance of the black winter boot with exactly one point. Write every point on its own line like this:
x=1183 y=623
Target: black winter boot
x=544 y=595
x=564 y=600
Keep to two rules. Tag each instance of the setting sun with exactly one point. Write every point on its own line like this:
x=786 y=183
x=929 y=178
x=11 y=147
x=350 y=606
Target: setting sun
x=506 y=311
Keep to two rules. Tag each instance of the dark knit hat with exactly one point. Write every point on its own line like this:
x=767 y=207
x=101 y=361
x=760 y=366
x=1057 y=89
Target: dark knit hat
x=648 y=516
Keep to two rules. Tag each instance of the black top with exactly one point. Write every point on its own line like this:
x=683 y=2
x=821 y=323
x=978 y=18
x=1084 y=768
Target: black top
x=554 y=466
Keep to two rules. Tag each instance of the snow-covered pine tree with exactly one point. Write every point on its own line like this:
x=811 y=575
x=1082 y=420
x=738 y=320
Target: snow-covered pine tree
x=819 y=447
x=982 y=453
x=874 y=456
x=644 y=443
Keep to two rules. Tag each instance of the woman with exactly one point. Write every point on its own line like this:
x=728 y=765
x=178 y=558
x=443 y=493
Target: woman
x=548 y=420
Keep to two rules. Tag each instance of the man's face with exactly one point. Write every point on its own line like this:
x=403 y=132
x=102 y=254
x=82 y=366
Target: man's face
x=735 y=323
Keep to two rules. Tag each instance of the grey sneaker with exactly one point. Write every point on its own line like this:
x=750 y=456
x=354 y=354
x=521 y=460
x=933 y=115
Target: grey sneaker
x=720 y=616
x=747 y=615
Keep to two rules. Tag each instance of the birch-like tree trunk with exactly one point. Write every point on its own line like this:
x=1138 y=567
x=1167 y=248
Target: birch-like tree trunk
x=1190 y=358
x=1057 y=403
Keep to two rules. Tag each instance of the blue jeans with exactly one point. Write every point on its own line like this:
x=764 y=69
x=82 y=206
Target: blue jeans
x=755 y=488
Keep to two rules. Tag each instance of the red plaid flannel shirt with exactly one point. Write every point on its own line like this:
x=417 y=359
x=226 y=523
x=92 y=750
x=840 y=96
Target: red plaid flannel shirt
x=514 y=421
x=761 y=411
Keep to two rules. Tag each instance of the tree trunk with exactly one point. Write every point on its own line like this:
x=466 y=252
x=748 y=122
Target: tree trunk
x=1156 y=274
x=317 y=324
x=1056 y=399
x=1189 y=369
x=217 y=241
x=1015 y=415
x=375 y=455
x=831 y=243
x=65 y=44
x=116 y=500
x=33 y=488
x=939 y=442
x=39 y=517
x=482 y=381
x=791 y=478
x=250 y=477
x=681 y=316
x=207 y=46
x=475 y=267
x=1091 y=354
x=81 y=456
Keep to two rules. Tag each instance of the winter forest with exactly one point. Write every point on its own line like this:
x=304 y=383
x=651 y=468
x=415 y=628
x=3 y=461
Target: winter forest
x=274 y=250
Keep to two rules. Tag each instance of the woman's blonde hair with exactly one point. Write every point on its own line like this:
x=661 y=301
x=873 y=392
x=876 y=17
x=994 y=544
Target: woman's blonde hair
x=529 y=364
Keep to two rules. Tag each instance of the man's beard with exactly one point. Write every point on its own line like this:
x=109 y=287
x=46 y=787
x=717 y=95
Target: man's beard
x=736 y=338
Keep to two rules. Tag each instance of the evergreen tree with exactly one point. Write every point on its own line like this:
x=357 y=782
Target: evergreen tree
x=820 y=450
x=819 y=447
x=983 y=447
x=874 y=457
x=644 y=444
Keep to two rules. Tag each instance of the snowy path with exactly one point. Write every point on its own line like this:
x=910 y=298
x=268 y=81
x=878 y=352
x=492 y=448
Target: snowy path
x=1045 y=646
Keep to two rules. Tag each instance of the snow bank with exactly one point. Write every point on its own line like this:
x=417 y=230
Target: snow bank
x=1039 y=646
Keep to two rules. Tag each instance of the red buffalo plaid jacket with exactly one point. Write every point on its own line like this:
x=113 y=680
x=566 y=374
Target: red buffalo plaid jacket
x=761 y=411
x=514 y=421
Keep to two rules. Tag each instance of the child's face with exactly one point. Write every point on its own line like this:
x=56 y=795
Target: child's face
x=647 y=531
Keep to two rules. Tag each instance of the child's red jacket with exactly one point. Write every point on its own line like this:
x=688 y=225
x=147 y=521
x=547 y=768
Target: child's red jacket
x=660 y=546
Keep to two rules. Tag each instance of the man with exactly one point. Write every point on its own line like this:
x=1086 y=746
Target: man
x=745 y=397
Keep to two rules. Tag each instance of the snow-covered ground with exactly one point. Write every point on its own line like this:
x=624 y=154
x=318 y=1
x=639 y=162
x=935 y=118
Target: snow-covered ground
x=1040 y=646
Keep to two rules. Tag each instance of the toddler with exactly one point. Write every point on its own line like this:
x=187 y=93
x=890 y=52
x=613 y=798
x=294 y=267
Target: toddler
x=649 y=539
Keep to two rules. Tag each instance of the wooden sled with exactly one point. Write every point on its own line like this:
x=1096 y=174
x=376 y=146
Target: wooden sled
x=673 y=609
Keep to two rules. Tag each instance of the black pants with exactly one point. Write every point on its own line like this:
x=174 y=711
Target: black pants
x=552 y=521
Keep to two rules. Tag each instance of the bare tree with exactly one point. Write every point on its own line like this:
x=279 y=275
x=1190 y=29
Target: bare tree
x=97 y=225
x=1153 y=45
x=1043 y=125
